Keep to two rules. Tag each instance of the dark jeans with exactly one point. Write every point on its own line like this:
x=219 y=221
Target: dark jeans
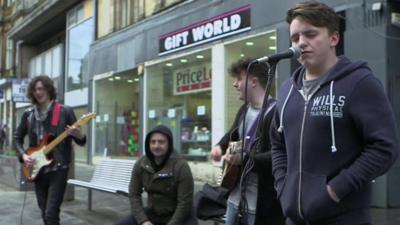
x=49 y=189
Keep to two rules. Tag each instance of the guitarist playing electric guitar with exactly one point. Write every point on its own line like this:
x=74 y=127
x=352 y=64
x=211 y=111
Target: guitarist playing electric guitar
x=47 y=117
x=253 y=185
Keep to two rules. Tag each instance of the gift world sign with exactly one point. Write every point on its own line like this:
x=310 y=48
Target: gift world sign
x=227 y=24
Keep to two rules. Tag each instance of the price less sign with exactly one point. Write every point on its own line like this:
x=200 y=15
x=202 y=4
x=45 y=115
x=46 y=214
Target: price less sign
x=192 y=79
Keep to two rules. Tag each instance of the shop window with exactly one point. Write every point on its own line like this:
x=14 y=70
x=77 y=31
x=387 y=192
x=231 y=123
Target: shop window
x=117 y=123
x=253 y=47
x=179 y=96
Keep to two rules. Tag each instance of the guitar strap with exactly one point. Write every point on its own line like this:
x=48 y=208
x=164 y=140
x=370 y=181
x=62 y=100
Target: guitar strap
x=56 y=114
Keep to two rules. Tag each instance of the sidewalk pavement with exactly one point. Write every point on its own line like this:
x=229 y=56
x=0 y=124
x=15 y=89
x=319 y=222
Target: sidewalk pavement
x=20 y=208
x=107 y=208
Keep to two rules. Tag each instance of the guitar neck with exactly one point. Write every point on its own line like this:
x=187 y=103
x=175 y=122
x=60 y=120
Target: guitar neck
x=49 y=147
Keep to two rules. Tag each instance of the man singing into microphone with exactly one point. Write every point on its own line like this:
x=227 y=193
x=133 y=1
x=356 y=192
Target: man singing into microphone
x=334 y=129
x=260 y=205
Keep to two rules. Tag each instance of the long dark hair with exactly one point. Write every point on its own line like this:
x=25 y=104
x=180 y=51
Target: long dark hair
x=48 y=85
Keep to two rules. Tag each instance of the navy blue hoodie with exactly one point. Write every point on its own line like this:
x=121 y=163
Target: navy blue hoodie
x=311 y=148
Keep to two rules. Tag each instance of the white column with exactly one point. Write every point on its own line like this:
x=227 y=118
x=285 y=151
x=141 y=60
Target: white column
x=218 y=93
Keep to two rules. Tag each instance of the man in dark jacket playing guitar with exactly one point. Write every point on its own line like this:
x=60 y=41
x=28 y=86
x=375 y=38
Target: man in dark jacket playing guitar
x=256 y=194
x=44 y=118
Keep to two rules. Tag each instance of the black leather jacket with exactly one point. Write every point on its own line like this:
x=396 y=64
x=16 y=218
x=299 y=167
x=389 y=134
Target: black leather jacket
x=62 y=152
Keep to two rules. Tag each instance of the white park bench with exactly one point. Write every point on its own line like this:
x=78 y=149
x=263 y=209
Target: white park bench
x=110 y=175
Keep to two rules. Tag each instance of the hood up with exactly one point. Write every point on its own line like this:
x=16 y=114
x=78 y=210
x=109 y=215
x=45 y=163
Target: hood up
x=167 y=132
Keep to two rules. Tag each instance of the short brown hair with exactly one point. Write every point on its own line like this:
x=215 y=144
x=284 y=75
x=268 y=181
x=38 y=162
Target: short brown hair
x=48 y=85
x=258 y=70
x=316 y=13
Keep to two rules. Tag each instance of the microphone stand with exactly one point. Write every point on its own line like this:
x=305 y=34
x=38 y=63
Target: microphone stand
x=259 y=131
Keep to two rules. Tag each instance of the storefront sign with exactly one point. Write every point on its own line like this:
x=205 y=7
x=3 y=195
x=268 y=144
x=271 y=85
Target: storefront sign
x=224 y=25
x=19 y=90
x=192 y=79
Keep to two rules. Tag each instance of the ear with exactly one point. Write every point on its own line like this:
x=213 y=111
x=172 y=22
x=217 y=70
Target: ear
x=254 y=81
x=335 y=37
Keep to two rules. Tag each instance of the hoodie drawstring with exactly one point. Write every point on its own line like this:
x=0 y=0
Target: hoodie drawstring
x=280 y=129
x=333 y=147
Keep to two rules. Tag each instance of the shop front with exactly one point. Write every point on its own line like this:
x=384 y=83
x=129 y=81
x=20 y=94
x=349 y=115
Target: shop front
x=189 y=88
x=185 y=86
x=116 y=101
x=184 y=90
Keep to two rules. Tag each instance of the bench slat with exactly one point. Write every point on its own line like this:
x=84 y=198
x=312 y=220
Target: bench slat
x=111 y=175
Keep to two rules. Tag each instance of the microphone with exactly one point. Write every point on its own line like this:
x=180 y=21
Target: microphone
x=291 y=52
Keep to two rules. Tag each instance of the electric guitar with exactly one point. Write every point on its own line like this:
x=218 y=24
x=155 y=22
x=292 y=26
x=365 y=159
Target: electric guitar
x=40 y=153
x=230 y=173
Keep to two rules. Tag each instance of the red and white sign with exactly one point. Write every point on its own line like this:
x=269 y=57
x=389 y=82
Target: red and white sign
x=192 y=79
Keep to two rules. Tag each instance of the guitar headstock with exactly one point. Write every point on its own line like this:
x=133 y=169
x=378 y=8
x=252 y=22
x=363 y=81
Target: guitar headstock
x=86 y=118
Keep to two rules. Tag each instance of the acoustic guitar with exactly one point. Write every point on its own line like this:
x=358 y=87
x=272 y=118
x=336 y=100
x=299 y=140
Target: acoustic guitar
x=231 y=173
x=40 y=153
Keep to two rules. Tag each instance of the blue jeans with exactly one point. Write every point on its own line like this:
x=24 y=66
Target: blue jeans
x=232 y=211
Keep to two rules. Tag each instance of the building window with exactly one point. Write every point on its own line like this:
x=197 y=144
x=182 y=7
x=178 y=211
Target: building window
x=122 y=13
x=9 y=54
x=153 y=7
x=48 y=63
x=105 y=17
x=80 y=34
x=117 y=123
x=179 y=96
x=114 y=15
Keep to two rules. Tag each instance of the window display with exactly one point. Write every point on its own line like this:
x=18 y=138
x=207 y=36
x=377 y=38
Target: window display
x=179 y=96
x=117 y=123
